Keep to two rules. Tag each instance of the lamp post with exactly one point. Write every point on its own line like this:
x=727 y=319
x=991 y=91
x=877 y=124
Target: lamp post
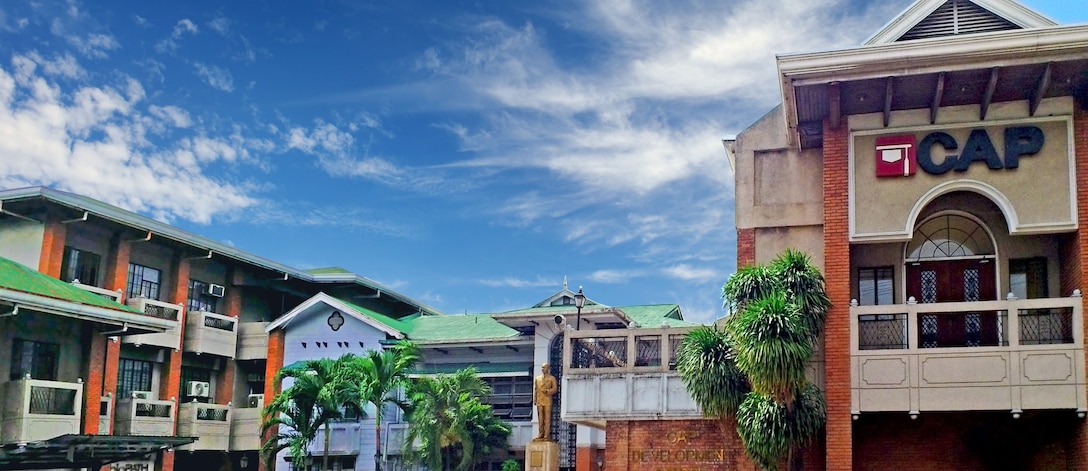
x=579 y=302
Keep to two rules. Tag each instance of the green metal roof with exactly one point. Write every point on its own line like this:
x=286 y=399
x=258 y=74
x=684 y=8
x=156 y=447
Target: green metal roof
x=327 y=270
x=653 y=315
x=17 y=277
x=383 y=319
x=456 y=328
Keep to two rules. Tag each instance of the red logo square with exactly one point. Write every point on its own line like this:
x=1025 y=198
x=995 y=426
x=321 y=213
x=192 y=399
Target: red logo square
x=895 y=156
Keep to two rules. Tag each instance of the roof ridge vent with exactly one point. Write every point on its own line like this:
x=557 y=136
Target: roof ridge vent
x=957 y=17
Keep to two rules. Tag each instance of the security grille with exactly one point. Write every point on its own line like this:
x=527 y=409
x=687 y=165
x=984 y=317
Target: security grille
x=1046 y=326
x=565 y=434
x=882 y=332
x=52 y=401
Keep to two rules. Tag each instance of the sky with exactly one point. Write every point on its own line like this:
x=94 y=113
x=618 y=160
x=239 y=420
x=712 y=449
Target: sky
x=472 y=155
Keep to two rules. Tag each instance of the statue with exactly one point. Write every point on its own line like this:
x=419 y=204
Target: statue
x=544 y=387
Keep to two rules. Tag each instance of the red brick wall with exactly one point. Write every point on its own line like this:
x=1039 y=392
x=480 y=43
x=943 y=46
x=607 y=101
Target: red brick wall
x=746 y=247
x=272 y=367
x=232 y=306
x=1074 y=257
x=116 y=278
x=52 y=247
x=93 y=371
x=837 y=274
x=673 y=445
x=171 y=384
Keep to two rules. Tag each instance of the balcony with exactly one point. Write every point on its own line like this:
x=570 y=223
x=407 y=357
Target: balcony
x=39 y=410
x=114 y=296
x=208 y=422
x=995 y=355
x=627 y=374
x=245 y=429
x=172 y=312
x=211 y=333
x=252 y=341
x=144 y=417
x=105 y=415
x=344 y=439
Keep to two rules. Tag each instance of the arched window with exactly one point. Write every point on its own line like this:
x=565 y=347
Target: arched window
x=949 y=236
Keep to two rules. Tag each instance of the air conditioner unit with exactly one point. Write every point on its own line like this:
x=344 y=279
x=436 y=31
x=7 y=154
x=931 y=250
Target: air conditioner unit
x=255 y=401
x=215 y=290
x=141 y=394
x=199 y=389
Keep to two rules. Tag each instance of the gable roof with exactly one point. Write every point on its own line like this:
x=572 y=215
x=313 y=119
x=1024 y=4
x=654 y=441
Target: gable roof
x=558 y=299
x=105 y=211
x=389 y=325
x=933 y=18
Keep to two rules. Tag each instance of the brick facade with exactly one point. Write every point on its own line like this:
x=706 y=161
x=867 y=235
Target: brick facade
x=53 y=241
x=673 y=445
x=746 y=247
x=839 y=433
x=1074 y=258
x=276 y=340
x=170 y=386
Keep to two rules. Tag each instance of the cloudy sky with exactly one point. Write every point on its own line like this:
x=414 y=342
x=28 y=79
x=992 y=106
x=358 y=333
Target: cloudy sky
x=468 y=154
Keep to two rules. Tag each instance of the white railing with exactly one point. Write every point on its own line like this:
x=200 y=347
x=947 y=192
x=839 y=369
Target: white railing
x=344 y=439
x=211 y=333
x=36 y=409
x=209 y=422
x=105 y=415
x=115 y=296
x=171 y=338
x=990 y=355
x=145 y=417
x=252 y=341
x=245 y=429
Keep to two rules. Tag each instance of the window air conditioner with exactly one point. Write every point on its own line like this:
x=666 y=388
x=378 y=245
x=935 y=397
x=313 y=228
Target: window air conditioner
x=199 y=389
x=255 y=401
x=215 y=290
x=141 y=394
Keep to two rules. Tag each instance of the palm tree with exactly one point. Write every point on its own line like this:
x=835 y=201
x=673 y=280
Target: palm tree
x=299 y=411
x=385 y=373
x=440 y=419
x=486 y=432
x=320 y=392
x=777 y=312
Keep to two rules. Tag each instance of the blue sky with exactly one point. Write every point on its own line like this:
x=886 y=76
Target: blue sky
x=468 y=154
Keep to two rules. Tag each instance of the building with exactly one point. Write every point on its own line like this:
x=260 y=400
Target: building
x=129 y=334
x=938 y=173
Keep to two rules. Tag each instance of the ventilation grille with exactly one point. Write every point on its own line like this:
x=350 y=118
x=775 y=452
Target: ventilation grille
x=958 y=17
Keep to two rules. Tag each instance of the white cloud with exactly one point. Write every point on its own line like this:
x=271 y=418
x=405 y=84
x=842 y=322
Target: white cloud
x=515 y=282
x=94 y=45
x=92 y=140
x=687 y=272
x=614 y=276
x=183 y=27
x=173 y=115
x=220 y=24
x=215 y=76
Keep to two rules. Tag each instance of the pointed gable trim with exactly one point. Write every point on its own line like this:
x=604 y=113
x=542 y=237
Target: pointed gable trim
x=565 y=293
x=1007 y=10
x=322 y=298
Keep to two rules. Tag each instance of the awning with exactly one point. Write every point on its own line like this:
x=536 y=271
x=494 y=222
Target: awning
x=84 y=451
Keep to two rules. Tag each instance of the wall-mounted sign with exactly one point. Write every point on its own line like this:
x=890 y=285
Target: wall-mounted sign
x=898 y=156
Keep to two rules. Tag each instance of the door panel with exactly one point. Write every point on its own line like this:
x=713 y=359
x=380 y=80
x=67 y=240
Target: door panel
x=955 y=281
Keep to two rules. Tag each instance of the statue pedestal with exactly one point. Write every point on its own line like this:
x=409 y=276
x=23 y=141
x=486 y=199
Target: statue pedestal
x=542 y=455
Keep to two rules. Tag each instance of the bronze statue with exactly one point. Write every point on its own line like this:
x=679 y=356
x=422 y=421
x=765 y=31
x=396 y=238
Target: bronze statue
x=544 y=387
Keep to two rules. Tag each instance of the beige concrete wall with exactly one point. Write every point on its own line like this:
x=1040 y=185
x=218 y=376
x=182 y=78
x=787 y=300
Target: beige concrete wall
x=208 y=271
x=63 y=331
x=776 y=186
x=771 y=242
x=881 y=208
x=21 y=241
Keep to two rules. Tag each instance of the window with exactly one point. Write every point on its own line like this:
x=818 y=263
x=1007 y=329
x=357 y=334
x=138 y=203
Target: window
x=1027 y=278
x=38 y=359
x=199 y=300
x=876 y=286
x=511 y=397
x=143 y=282
x=133 y=375
x=80 y=265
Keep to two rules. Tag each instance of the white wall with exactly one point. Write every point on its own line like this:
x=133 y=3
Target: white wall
x=21 y=241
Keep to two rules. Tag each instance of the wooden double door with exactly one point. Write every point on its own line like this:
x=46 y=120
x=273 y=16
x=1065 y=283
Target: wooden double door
x=944 y=281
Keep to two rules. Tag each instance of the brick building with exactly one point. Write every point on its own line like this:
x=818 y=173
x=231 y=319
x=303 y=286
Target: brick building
x=938 y=173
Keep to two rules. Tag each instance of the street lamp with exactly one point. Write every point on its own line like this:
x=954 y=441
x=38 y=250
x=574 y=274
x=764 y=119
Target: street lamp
x=579 y=302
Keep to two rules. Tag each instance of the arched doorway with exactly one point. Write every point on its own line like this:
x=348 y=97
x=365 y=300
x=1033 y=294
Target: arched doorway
x=565 y=434
x=952 y=258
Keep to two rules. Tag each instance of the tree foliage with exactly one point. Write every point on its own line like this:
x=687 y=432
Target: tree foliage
x=753 y=369
x=448 y=426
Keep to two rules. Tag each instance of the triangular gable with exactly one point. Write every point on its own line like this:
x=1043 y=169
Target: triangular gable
x=935 y=18
x=564 y=297
x=347 y=308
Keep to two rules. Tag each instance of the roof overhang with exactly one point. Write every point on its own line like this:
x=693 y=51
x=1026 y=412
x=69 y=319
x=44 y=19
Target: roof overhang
x=84 y=451
x=321 y=298
x=591 y=316
x=984 y=68
x=153 y=228
x=129 y=322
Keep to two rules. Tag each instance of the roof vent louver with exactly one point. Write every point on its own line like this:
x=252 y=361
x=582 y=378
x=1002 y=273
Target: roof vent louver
x=958 y=17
